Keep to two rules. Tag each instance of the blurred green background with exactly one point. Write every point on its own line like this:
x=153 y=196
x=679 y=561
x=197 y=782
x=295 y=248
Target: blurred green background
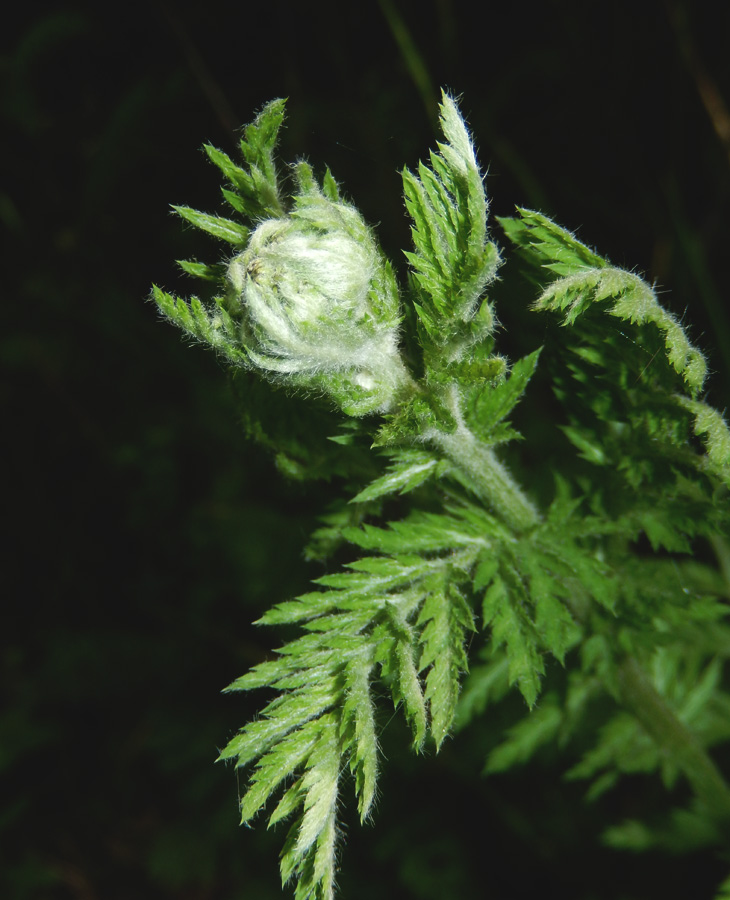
x=144 y=533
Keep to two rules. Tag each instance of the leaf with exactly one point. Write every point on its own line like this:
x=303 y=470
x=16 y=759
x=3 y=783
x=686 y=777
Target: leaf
x=423 y=532
x=410 y=691
x=201 y=270
x=511 y=627
x=358 y=725
x=683 y=831
x=256 y=188
x=409 y=470
x=446 y=618
x=585 y=279
x=370 y=623
x=288 y=755
x=710 y=424
x=212 y=326
x=311 y=855
x=525 y=738
x=218 y=227
x=489 y=404
x=627 y=377
x=453 y=260
x=260 y=137
x=485 y=683
x=237 y=176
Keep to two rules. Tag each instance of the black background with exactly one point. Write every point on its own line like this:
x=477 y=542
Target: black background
x=144 y=533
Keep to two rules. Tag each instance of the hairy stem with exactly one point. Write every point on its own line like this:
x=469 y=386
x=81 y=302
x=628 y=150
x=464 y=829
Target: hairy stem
x=488 y=477
x=644 y=701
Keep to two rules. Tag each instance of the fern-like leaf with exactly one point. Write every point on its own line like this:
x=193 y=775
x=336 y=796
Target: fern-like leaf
x=216 y=226
x=445 y=618
x=409 y=469
x=453 y=260
x=487 y=405
x=256 y=191
x=400 y=619
x=211 y=326
x=628 y=377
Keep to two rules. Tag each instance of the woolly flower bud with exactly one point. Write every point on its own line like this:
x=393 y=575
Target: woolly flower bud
x=320 y=305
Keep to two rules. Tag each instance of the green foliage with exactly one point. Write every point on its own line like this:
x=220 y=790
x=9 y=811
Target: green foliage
x=453 y=260
x=628 y=380
x=400 y=618
x=603 y=605
x=409 y=469
x=256 y=191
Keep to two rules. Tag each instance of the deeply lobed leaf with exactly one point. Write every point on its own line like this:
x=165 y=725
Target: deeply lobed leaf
x=453 y=261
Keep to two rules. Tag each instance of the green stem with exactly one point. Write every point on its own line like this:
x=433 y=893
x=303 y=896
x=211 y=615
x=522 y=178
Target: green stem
x=640 y=696
x=488 y=477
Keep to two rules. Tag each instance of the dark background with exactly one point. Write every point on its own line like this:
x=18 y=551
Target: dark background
x=144 y=533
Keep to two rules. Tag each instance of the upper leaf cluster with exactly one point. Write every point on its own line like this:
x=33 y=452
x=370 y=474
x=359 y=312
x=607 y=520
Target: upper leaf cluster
x=453 y=260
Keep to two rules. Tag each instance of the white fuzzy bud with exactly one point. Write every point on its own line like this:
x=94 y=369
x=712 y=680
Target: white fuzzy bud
x=320 y=305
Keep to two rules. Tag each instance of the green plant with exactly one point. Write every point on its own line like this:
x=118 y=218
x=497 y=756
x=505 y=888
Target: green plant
x=607 y=575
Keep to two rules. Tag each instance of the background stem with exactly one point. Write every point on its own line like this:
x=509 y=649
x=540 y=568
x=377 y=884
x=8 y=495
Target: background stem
x=640 y=696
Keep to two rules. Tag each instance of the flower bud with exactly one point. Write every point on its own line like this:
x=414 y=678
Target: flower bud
x=319 y=305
